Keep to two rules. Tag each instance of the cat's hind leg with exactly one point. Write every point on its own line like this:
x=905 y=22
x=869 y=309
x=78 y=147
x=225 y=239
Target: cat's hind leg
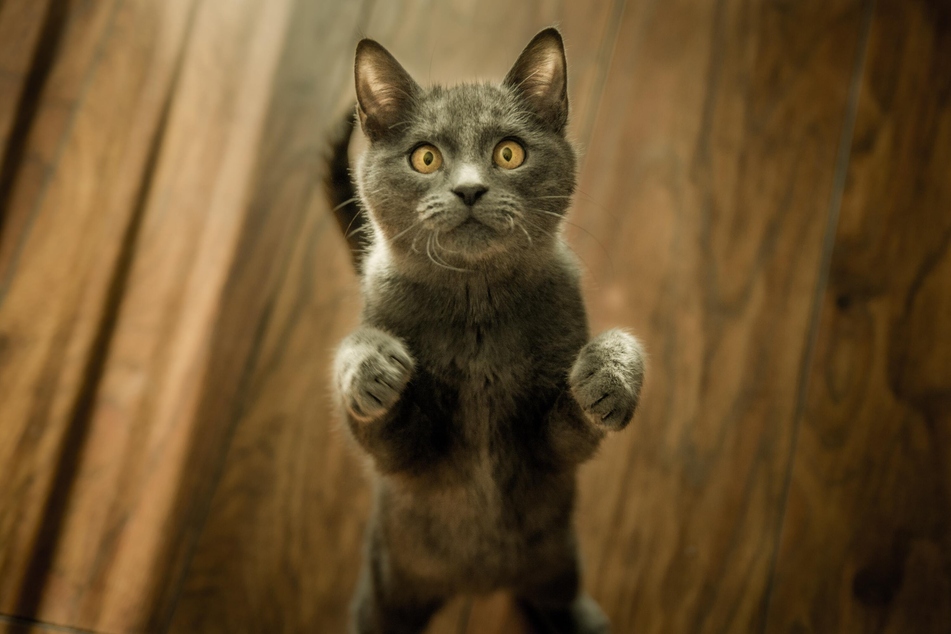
x=555 y=604
x=581 y=616
x=386 y=602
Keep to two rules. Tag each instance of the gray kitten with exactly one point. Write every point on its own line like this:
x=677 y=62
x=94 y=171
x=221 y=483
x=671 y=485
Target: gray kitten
x=471 y=381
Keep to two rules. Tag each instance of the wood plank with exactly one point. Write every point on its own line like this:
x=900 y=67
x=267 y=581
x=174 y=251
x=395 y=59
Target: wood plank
x=254 y=333
x=21 y=28
x=281 y=548
x=19 y=626
x=72 y=201
x=867 y=535
x=708 y=186
x=120 y=522
x=78 y=49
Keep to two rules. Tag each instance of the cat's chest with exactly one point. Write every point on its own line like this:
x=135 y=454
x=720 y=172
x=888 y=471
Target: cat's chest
x=487 y=364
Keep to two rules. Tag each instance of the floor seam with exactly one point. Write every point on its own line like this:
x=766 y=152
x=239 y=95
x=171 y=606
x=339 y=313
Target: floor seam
x=843 y=157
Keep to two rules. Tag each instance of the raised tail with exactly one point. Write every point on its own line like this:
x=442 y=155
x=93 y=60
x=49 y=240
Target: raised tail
x=340 y=191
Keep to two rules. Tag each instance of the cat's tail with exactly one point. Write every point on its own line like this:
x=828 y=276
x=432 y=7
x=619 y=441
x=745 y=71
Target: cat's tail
x=340 y=191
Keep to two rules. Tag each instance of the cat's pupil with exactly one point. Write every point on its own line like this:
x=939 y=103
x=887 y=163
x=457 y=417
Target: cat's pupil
x=507 y=153
x=428 y=158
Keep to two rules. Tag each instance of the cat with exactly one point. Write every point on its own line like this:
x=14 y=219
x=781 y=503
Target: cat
x=471 y=381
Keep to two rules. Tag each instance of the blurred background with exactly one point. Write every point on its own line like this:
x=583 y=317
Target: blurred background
x=765 y=198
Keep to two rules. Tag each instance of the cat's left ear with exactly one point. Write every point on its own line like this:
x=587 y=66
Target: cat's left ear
x=540 y=76
x=384 y=89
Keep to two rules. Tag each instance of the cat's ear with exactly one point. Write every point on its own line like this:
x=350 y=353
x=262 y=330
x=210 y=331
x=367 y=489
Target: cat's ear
x=540 y=76
x=384 y=89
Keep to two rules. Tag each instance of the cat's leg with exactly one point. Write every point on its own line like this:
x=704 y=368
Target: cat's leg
x=555 y=604
x=387 y=602
x=372 y=369
x=606 y=379
x=604 y=387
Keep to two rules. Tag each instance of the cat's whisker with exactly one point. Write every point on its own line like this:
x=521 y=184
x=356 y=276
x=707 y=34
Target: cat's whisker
x=437 y=247
x=525 y=231
x=429 y=254
x=587 y=197
x=566 y=243
x=440 y=246
x=577 y=226
x=358 y=231
x=541 y=230
x=415 y=238
x=344 y=204
x=604 y=249
x=436 y=243
x=404 y=232
x=347 y=233
x=545 y=211
x=599 y=205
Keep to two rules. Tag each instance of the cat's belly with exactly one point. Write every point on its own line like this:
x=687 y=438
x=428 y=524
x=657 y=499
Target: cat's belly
x=488 y=512
x=475 y=533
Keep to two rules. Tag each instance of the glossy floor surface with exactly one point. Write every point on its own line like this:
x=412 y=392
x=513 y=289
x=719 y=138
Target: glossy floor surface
x=765 y=198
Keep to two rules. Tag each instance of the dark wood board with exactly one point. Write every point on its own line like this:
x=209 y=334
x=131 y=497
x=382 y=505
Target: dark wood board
x=866 y=542
x=708 y=189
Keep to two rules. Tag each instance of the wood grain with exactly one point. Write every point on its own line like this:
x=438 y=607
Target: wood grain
x=867 y=537
x=29 y=34
x=172 y=286
x=33 y=150
x=21 y=26
x=708 y=186
x=120 y=515
x=281 y=548
x=18 y=626
x=257 y=573
x=66 y=220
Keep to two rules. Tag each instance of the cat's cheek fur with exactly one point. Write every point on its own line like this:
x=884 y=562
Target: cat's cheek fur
x=606 y=379
x=371 y=370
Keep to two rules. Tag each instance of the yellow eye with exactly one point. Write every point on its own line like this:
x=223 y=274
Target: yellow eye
x=426 y=159
x=508 y=154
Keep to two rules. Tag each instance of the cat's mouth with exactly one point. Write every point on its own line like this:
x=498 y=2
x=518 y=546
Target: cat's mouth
x=471 y=240
x=467 y=224
x=458 y=237
x=471 y=221
x=472 y=231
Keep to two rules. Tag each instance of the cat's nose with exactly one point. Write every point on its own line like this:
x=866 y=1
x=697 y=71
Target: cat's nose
x=470 y=192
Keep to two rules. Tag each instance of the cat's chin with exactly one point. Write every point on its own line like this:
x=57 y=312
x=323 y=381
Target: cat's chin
x=472 y=241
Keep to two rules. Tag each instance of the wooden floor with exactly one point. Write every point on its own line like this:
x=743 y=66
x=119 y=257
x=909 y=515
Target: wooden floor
x=765 y=198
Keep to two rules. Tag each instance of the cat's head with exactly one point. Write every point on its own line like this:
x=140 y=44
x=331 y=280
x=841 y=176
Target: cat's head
x=469 y=177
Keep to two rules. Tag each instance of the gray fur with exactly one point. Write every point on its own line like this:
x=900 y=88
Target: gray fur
x=471 y=381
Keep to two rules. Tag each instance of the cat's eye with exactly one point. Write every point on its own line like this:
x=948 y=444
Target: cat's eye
x=426 y=159
x=508 y=154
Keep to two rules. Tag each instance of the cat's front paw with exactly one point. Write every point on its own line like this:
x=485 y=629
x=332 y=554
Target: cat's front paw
x=607 y=377
x=372 y=369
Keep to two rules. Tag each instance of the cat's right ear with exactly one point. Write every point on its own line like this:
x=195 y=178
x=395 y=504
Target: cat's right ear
x=384 y=89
